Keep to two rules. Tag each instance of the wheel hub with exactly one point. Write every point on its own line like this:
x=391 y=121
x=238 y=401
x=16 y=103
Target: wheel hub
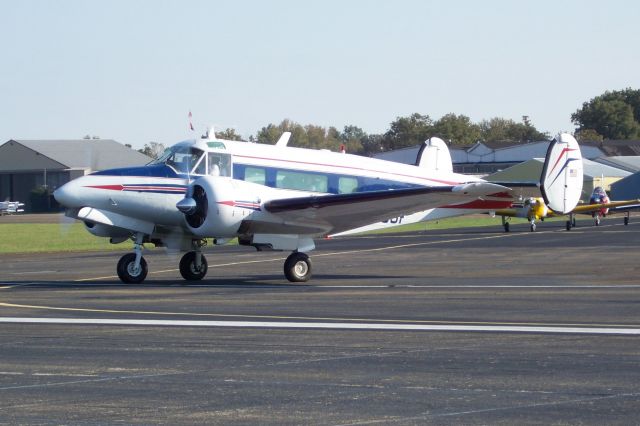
x=301 y=268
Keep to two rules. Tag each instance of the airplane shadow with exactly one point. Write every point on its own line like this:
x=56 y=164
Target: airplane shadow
x=263 y=281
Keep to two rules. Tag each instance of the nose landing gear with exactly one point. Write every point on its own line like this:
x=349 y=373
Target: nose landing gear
x=193 y=265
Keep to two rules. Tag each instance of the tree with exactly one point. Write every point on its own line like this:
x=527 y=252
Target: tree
x=371 y=144
x=152 y=149
x=614 y=115
x=229 y=134
x=353 y=137
x=407 y=131
x=506 y=130
x=456 y=129
x=588 y=135
x=272 y=132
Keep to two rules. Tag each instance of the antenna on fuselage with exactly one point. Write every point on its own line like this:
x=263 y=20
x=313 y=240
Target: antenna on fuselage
x=284 y=139
x=210 y=134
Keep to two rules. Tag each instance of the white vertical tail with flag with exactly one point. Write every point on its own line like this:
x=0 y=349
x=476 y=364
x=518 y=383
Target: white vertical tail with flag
x=561 y=180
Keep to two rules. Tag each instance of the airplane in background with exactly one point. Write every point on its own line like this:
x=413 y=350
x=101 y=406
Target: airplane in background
x=11 y=207
x=534 y=209
x=281 y=198
x=599 y=196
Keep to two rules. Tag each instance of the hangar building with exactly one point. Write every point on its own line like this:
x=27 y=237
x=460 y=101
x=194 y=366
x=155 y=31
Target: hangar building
x=30 y=170
x=483 y=158
x=627 y=188
x=595 y=174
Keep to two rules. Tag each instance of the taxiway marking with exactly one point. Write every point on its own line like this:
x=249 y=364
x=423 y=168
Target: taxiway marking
x=325 y=325
x=334 y=319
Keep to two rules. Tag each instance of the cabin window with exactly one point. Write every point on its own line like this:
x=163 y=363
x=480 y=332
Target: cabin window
x=255 y=175
x=219 y=164
x=301 y=181
x=347 y=185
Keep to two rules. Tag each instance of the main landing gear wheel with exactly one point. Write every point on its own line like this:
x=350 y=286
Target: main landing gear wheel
x=128 y=272
x=626 y=220
x=297 y=267
x=506 y=227
x=568 y=225
x=188 y=268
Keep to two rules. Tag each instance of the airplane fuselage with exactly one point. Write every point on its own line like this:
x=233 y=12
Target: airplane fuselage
x=261 y=172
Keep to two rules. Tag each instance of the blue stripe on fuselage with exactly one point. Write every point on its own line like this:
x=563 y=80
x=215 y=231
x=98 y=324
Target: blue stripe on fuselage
x=155 y=170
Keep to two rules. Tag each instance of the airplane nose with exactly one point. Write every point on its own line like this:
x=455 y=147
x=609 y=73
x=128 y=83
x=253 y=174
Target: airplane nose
x=65 y=194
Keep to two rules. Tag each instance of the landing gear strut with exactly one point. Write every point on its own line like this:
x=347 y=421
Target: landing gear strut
x=533 y=225
x=297 y=267
x=505 y=224
x=193 y=265
x=132 y=268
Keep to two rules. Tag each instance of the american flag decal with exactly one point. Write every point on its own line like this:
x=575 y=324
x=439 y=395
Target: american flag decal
x=573 y=173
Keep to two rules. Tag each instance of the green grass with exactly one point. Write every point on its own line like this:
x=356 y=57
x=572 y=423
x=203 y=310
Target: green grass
x=456 y=222
x=51 y=237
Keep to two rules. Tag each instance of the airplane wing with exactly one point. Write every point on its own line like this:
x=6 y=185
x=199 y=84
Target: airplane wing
x=326 y=214
x=616 y=205
x=521 y=190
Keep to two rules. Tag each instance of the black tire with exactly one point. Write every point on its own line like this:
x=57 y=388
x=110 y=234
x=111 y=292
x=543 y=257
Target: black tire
x=568 y=225
x=297 y=267
x=626 y=221
x=506 y=227
x=533 y=227
x=188 y=267
x=126 y=272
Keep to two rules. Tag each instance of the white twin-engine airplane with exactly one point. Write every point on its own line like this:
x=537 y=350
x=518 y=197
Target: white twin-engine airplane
x=281 y=198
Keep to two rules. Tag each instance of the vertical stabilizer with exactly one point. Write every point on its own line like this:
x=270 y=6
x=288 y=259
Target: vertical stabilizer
x=561 y=180
x=434 y=155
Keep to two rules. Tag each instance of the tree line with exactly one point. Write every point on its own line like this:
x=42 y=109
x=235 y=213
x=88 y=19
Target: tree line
x=612 y=115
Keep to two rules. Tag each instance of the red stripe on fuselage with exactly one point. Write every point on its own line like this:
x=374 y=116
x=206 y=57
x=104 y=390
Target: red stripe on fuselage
x=109 y=187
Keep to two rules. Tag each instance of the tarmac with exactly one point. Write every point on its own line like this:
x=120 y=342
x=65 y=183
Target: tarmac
x=468 y=326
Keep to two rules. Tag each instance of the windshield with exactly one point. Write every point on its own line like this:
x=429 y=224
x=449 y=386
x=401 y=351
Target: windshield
x=181 y=158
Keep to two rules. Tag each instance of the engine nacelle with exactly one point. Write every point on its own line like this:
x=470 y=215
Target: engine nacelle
x=101 y=230
x=215 y=213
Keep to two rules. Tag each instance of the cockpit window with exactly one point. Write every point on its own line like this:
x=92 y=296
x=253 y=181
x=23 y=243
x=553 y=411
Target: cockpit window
x=182 y=159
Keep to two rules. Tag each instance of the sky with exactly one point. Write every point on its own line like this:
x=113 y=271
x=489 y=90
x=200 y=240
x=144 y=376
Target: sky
x=132 y=70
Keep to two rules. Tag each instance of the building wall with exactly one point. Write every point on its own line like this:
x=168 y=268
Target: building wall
x=20 y=186
x=627 y=188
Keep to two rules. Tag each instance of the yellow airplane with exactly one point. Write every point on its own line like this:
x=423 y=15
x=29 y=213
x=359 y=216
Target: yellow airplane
x=535 y=209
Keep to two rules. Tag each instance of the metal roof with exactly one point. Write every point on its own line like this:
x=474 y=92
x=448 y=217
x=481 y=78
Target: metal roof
x=630 y=163
x=94 y=154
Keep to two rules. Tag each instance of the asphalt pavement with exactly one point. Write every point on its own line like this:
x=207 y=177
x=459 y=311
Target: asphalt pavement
x=472 y=326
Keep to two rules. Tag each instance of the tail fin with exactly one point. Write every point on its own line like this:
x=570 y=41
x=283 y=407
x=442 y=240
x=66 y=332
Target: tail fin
x=561 y=180
x=434 y=155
